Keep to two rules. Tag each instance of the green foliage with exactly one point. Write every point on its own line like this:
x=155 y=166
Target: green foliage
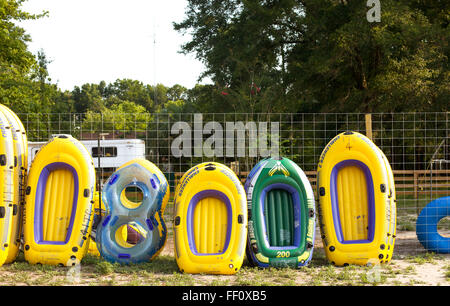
x=395 y=65
x=123 y=117
x=129 y=90
x=263 y=57
x=18 y=66
x=104 y=268
x=322 y=55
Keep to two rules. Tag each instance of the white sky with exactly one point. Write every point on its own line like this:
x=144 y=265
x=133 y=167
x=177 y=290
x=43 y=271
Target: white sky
x=93 y=40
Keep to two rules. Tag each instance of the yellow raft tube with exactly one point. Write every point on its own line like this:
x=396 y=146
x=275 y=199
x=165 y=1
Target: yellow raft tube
x=19 y=158
x=58 y=208
x=7 y=190
x=210 y=222
x=357 y=205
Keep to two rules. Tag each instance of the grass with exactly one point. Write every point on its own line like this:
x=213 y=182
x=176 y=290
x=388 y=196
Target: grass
x=428 y=257
x=408 y=209
x=447 y=273
x=163 y=271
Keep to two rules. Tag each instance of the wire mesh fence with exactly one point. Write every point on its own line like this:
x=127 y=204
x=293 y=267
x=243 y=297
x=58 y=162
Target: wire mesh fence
x=417 y=146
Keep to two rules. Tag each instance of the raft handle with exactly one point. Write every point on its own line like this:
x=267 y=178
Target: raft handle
x=240 y=219
x=210 y=167
x=177 y=221
x=149 y=224
x=322 y=191
x=105 y=222
x=3 y=160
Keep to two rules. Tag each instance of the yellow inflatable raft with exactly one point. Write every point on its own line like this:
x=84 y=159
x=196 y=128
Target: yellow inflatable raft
x=7 y=189
x=59 y=197
x=20 y=160
x=356 y=201
x=210 y=222
x=92 y=249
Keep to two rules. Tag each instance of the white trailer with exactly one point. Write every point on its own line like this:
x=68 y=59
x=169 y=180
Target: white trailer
x=113 y=152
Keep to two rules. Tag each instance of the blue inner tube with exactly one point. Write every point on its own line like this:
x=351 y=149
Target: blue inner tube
x=143 y=248
x=426 y=226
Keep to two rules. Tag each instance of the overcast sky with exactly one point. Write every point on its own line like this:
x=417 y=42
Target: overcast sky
x=92 y=40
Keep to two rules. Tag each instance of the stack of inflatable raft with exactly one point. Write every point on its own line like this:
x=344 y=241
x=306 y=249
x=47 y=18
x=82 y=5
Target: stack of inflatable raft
x=357 y=211
x=13 y=167
x=217 y=220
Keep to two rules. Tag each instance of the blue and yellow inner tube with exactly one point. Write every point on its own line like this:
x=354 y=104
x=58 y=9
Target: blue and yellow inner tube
x=357 y=205
x=281 y=214
x=58 y=203
x=210 y=221
x=141 y=218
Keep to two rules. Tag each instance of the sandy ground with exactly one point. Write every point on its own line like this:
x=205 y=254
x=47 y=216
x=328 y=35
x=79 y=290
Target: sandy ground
x=411 y=264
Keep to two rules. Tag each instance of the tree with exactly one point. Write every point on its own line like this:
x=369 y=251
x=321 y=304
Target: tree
x=121 y=118
x=16 y=61
x=243 y=45
x=130 y=90
x=347 y=64
x=177 y=92
x=322 y=55
x=88 y=98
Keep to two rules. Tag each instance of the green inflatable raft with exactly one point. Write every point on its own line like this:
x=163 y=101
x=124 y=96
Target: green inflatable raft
x=281 y=205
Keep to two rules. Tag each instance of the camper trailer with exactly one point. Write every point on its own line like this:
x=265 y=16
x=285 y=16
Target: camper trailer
x=113 y=152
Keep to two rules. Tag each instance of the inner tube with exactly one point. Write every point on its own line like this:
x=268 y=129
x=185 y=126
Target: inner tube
x=20 y=159
x=7 y=189
x=210 y=220
x=357 y=205
x=131 y=236
x=133 y=231
x=281 y=225
x=426 y=226
x=58 y=203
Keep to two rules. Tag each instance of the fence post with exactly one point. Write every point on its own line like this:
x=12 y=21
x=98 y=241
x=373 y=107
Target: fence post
x=416 y=175
x=369 y=126
x=236 y=169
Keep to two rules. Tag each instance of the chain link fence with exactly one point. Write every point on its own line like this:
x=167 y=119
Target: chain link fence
x=416 y=144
